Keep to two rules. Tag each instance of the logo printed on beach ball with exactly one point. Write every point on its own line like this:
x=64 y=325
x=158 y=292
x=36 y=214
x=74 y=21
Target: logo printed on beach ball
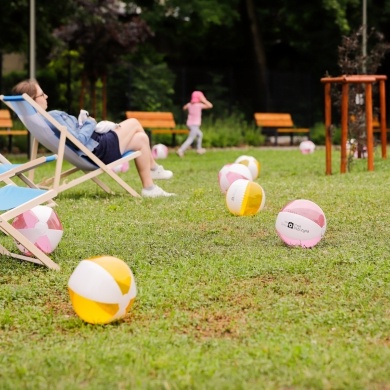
x=41 y=226
x=251 y=163
x=159 y=151
x=301 y=223
x=102 y=289
x=232 y=172
x=307 y=147
x=245 y=197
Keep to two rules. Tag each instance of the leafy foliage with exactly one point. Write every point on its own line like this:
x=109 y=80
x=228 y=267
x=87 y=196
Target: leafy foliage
x=102 y=31
x=214 y=36
x=230 y=130
x=351 y=58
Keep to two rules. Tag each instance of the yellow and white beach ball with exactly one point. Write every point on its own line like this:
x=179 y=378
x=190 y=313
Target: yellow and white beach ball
x=245 y=197
x=102 y=289
x=251 y=163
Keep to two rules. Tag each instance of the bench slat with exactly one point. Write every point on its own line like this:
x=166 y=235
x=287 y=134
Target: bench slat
x=153 y=119
x=6 y=125
x=152 y=123
x=5 y=122
x=273 y=120
x=157 y=122
x=157 y=115
x=13 y=132
x=169 y=131
x=281 y=123
x=376 y=126
x=293 y=130
x=5 y=114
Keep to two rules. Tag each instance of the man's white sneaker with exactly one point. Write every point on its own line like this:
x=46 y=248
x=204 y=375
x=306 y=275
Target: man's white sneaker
x=155 y=192
x=160 y=173
x=201 y=151
x=180 y=153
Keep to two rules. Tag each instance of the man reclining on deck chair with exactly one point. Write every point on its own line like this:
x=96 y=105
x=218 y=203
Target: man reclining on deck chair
x=108 y=146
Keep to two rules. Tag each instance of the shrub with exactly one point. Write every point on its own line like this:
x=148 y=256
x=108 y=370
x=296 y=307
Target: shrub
x=317 y=134
x=230 y=131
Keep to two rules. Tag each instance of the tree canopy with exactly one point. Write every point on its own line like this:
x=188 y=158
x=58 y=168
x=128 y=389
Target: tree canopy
x=251 y=37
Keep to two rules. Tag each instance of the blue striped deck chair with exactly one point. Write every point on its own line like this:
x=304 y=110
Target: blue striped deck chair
x=10 y=170
x=62 y=143
x=15 y=200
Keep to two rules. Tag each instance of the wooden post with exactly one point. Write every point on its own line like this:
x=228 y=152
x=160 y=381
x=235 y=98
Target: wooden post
x=344 y=127
x=368 y=80
x=104 y=96
x=369 y=133
x=383 y=124
x=328 y=124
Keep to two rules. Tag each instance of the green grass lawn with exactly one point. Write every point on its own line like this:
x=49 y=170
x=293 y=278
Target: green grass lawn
x=222 y=303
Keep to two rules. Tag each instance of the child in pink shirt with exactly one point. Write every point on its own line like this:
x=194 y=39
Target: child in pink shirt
x=194 y=120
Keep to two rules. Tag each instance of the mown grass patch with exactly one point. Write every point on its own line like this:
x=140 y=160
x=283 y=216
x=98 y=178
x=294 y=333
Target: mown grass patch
x=222 y=303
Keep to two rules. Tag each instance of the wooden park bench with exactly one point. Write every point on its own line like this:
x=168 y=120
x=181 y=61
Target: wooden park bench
x=6 y=125
x=376 y=127
x=279 y=123
x=157 y=123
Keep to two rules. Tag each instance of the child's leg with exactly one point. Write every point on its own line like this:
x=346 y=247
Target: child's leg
x=199 y=139
x=190 y=138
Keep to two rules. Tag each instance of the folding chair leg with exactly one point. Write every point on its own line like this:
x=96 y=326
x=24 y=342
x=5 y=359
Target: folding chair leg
x=5 y=252
x=40 y=257
x=103 y=186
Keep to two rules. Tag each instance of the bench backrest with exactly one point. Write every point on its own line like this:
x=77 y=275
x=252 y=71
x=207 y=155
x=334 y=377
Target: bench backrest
x=5 y=119
x=153 y=119
x=375 y=121
x=273 y=119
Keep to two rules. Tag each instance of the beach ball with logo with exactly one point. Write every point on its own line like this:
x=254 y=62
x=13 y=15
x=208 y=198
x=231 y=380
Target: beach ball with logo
x=301 y=223
x=102 y=289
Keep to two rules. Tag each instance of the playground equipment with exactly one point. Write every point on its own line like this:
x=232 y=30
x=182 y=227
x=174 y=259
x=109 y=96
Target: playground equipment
x=368 y=81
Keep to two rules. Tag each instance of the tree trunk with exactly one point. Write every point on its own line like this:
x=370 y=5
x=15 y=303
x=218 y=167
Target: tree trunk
x=104 y=96
x=82 y=92
x=93 y=94
x=262 y=94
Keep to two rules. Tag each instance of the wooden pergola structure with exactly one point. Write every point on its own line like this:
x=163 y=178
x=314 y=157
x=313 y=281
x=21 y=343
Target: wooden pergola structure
x=368 y=81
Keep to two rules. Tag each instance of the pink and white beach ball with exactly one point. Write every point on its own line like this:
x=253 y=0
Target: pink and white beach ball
x=41 y=226
x=232 y=172
x=301 y=223
x=307 y=147
x=122 y=168
x=159 y=151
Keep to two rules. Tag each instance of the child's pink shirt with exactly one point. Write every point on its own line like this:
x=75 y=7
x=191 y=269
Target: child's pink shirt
x=195 y=114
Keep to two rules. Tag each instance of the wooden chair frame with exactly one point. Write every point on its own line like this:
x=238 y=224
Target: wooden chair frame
x=61 y=142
